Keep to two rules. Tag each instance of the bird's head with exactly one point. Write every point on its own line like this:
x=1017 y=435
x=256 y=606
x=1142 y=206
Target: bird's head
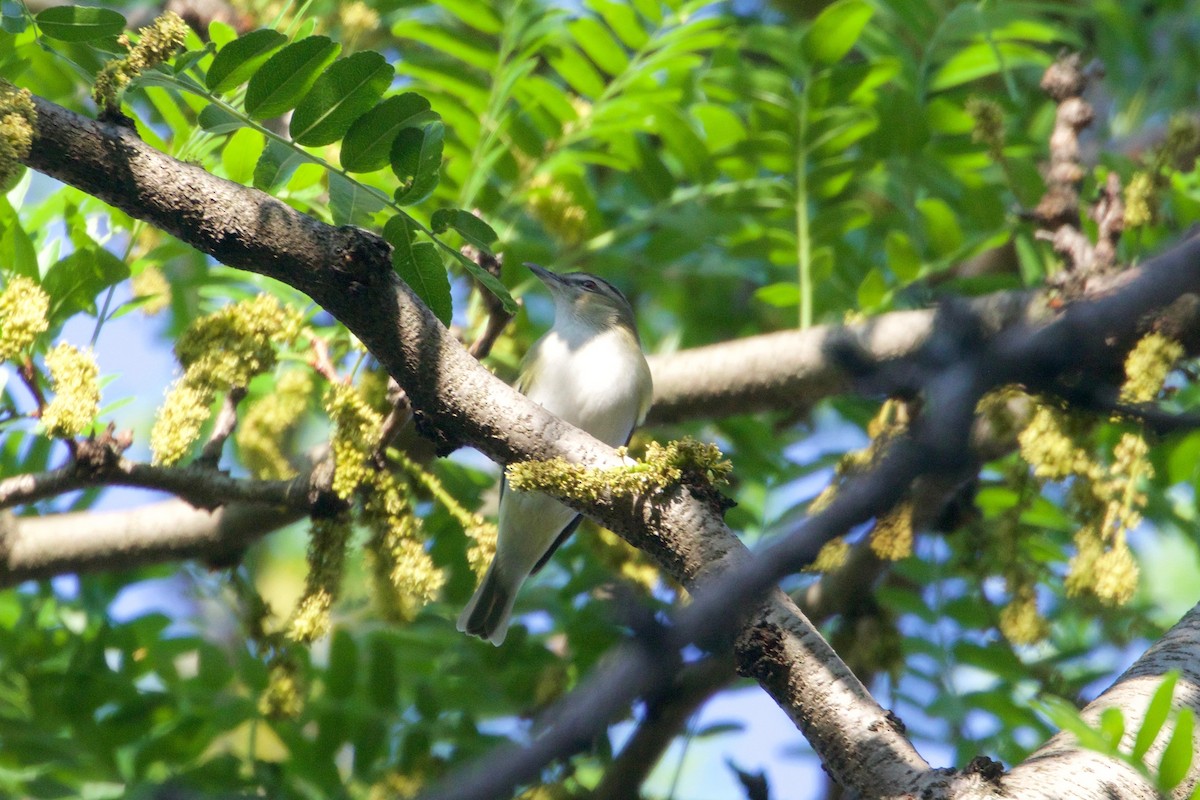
x=586 y=300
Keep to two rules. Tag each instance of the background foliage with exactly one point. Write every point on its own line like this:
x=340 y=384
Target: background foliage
x=737 y=168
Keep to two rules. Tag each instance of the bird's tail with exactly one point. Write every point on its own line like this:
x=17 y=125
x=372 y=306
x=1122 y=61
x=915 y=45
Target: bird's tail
x=486 y=616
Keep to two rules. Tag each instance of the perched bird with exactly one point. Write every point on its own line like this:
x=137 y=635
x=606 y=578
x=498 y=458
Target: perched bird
x=589 y=371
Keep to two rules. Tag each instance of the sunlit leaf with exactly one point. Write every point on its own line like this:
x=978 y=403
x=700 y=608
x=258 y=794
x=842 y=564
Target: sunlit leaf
x=469 y=226
x=836 y=30
x=236 y=62
x=79 y=23
x=342 y=94
x=368 y=144
x=416 y=160
x=286 y=77
x=419 y=265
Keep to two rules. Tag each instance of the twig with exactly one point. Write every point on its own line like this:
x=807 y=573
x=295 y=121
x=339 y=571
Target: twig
x=223 y=428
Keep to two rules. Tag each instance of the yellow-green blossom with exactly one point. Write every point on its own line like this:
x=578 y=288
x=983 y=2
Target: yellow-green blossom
x=833 y=555
x=326 y=559
x=357 y=429
x=23 y=316
x=151 y=284
x=480 y=531
x=18 y=119
x=284 y=696
x=1020 y=621
x=178 y=423
x=892 y=536
x=1116 y=575
x=229 y=347
x=1139 y=200
x=1147 y=367
x=74 y=377
x=989 y=124
x=406 y=579
x=1048 y=444
x=263 y=430
x=220 y=351
x=156 y=43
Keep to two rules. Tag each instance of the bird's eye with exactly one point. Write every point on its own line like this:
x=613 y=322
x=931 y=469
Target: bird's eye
x=591 y=286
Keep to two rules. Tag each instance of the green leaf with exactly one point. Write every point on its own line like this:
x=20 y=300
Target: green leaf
x=343 y=665
x=382 y=680
x=779 y=295
x=79 y=23
x=241 y=155
x=1066 y=716
x=1112 y=725
x=288 y=75
x=873 y=291
x=983 y=59
x=902 y=256
x=623 y=20
x=351 y=203
x=1156 y=716
x=835 y=30
x=217 y=120
x=15 y=242
x=479 y=15
x=598 y=43
x=345 y=92
x=236 y=62
x=276 y=164
x=74 y=282
x=1178 y=754
x=469 y=226
x=368 y=144
x=488 y=280
x=576 y=70
x=419 y=266
x=416 y=160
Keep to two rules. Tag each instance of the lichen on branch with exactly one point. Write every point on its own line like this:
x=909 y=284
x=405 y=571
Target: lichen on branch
x=662 y=466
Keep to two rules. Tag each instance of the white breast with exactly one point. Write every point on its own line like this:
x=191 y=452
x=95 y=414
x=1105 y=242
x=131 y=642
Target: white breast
x=597 y=385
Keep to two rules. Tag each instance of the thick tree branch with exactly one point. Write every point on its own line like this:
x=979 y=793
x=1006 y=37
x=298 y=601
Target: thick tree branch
x=42 y=547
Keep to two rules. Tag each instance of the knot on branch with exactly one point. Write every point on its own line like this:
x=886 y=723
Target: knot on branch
x=99 y=455
x=360 y=254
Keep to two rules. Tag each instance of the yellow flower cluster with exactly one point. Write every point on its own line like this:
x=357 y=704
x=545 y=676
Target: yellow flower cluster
x=480 y=531
x=356 y=431
x=357 y=19
x=74 y=376
x=151 y=284
x=23 y=316
x=396 y=786
x=1020 y=621
x=663 y=466
x=326 y=559
x=833 y=555
x=156 y=43
x=557 y=208
x=892 y=536
x=263 y=430
x=1048 y=444
x=1147 y=367
x=406 y=577
x=988 y=120
x=284 y=696
x=18 y=118
x=219 y=351
x=1139 y=200
x=1109 y=498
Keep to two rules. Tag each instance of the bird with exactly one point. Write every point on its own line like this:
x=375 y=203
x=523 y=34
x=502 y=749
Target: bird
x=588 y=370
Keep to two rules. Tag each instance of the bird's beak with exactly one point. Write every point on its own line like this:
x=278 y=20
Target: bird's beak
x=550 y=279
